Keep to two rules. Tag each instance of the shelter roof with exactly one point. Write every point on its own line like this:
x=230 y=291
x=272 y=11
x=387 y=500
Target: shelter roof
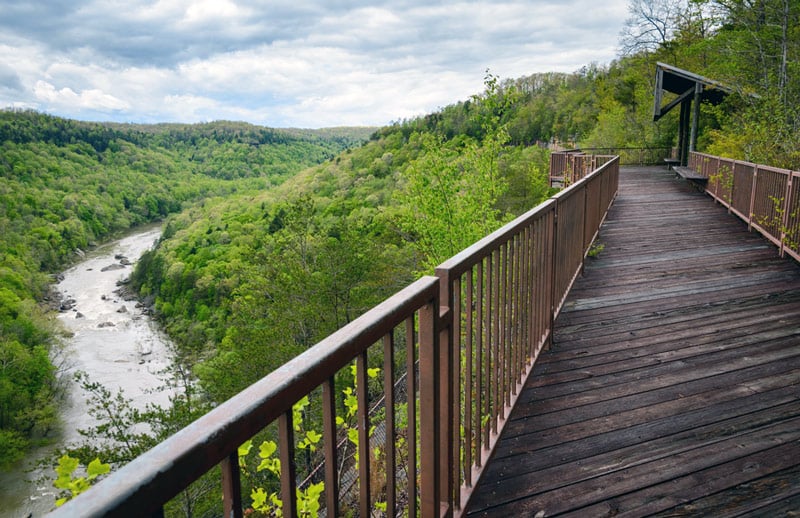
x=684 y=84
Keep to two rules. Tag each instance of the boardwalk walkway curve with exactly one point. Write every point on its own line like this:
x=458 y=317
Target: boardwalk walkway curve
x=673 y=384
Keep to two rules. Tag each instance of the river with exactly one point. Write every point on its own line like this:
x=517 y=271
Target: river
x=112 y=340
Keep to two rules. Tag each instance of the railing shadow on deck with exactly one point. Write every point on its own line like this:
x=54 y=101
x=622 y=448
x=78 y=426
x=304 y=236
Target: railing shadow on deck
x=462 y=343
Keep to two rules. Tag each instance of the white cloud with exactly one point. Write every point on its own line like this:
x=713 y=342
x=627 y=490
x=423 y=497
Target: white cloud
x=212 y=11
x=91 y=99
x=287 y=63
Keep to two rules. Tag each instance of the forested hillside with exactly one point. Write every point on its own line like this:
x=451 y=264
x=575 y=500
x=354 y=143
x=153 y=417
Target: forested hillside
x=244 y=283
x=274 y=238
x=67 y=185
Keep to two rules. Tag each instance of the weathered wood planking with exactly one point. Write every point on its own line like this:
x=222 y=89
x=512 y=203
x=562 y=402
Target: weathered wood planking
x=673 y=386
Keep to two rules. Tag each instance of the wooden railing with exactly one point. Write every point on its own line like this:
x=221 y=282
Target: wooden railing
x=567 y=167
x=460 y=344
x=767 y=198
x=634 y=155
x=503 y=294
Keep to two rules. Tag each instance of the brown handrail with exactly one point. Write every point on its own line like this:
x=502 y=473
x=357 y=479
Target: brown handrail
x=633 y=155
x=766 y=198
x=500 y=297
x=141 y=487
x=567 y=167
x=494 y=303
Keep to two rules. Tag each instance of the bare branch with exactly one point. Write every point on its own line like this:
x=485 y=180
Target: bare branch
x=651 y=24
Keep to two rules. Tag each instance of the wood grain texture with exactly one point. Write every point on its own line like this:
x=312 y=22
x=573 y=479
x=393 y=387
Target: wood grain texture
x=673 y=384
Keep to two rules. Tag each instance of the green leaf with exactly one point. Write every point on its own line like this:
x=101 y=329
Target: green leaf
x=352 y=434
x=351 y=403
x=97 y=468
x=308 y=501
x=277 y=504
x=267 y=449
x=244 y=449
x=66 y=465
x=297 y=412
x=313 y=437
x=273 y=465
x=259 y=498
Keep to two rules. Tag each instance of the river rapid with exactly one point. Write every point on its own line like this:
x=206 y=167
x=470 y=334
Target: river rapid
x=113 y=340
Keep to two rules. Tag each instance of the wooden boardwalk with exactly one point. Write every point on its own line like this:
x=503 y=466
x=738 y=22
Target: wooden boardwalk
x=673 y=386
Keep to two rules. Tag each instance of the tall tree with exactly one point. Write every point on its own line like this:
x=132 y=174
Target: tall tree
x=651 y=24
x=758 y=49
x=761 y=38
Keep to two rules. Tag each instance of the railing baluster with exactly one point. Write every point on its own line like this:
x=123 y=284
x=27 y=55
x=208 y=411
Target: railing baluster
x=479 y=366
x=362 y=424
x=288 y=468
x=488 y=358
x=231 y=486
x=551 y=277
x=411 y=396
x=329 y=445
x=537 y=292
x=469 y=352
x=505 y=328
x=752 y=199
x=389 y=396
x=529 y=291
x=522 y=288
x=543 y=307
x=494 y=310
x=791 y=213
x=508 y=312
x=518 y=315
x=455 y=391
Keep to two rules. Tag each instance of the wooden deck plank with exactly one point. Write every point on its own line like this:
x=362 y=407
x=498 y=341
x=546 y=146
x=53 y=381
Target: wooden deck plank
x=657 y=332
x=583 y=473
x=577 y=428
x=609 y=482
x=550 y=450
x=662 y=358
x=673 y=384
x=766 y=496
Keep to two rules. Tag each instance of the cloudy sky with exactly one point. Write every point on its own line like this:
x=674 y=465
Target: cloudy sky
x=285 y=63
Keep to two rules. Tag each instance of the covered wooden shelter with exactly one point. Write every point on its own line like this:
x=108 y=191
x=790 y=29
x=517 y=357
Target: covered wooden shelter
x=691 y=89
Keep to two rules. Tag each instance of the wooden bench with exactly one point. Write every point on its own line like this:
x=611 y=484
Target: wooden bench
x=672 y=162
x=689 y=174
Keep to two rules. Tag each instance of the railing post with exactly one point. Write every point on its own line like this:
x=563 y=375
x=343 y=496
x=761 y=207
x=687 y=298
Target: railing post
x=288 y=468
x=551 y=274
x=362 y=418
x=752 y=199
x=231 y=486
x=787 y=205
x=447 y=378
x=584 y=244
x=429 y=395
x=329 y=426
